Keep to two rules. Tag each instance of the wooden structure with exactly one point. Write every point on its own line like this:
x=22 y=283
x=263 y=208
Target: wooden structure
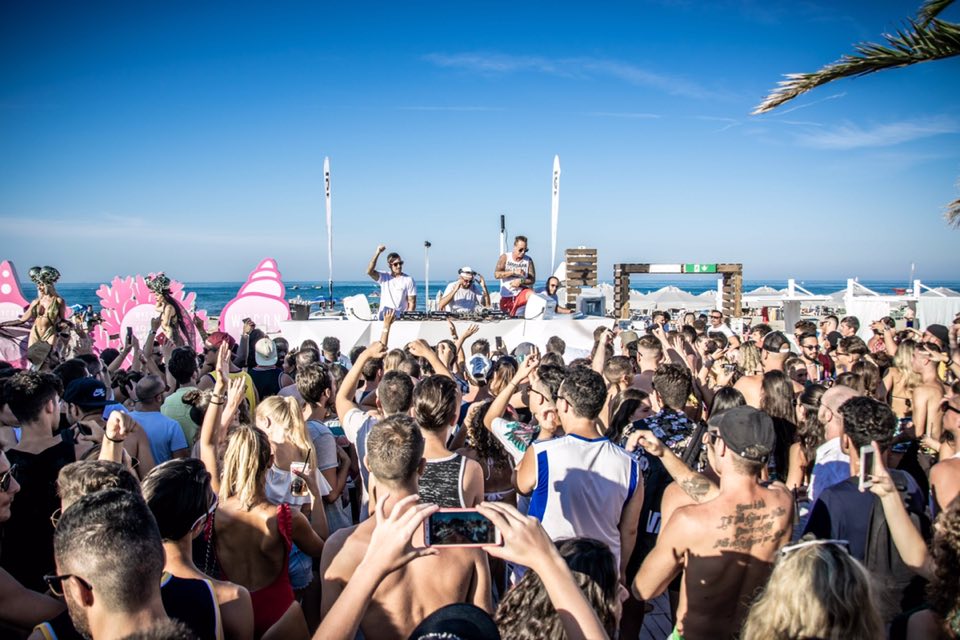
x=731 y=289
x=581 y=265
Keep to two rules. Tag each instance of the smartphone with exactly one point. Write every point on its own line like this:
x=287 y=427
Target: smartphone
x=129 y=336
x=460 y=528
x=730 y=367
x=500 y=346
x=867 y=456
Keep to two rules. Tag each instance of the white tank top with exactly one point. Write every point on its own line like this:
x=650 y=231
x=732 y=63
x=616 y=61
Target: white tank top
x=521 y=266
x=582 y=487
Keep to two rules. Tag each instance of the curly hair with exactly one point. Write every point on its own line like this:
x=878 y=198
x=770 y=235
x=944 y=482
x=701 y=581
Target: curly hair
x=816 y=591
x=481 y=440
x=944 y=590
x=526 y=612
x=810 y=433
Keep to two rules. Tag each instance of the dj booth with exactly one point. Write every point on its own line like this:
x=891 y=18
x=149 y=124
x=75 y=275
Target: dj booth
x=577 y=333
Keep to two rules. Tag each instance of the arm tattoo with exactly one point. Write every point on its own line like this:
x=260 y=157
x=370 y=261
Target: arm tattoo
x=696 y=487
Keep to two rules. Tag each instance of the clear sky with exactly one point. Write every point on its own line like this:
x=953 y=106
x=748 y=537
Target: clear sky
x=189 y=137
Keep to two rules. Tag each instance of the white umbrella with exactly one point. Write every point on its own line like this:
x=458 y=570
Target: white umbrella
x=940 y=292
x=670 y=297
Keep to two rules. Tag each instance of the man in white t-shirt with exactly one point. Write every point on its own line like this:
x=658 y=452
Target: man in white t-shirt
x=717 y=325
x=466 y=293
x=397 y=289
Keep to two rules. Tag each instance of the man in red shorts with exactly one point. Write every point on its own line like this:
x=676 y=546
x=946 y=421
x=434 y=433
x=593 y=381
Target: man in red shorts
x=516 y=274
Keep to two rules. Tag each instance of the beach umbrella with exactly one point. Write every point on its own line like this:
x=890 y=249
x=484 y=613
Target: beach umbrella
x=940 y=292
x=671 y=297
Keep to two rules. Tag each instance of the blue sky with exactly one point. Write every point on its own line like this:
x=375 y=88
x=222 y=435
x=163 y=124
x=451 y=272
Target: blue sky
x=190 y=137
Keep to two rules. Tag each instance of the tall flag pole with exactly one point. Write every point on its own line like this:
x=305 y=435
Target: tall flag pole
x=503 y=235
x=326 y=187
x=554 y=213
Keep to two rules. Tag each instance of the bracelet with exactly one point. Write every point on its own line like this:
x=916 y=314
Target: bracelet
x=111 y=439
x=216 y=403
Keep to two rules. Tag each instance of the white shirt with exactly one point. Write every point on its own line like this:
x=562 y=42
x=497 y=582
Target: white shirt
x=464 y=300
x=723 y=328
x=831 y=466
x=394 y=291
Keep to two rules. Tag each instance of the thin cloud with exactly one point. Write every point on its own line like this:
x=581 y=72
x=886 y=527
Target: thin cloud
x=626 y=114
x=581 y=67
x=808 y=104
x=451 y=108
x=851 y=136
x=730 y=123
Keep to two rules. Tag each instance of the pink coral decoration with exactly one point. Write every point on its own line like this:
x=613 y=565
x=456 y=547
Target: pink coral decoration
x=13 y=340
x=261 y=298
x=128 y=302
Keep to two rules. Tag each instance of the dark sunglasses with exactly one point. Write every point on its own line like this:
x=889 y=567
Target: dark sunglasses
x=944 y=406
x=522 y=250
x=56 y=582
x=398 y=263
x=7 y=478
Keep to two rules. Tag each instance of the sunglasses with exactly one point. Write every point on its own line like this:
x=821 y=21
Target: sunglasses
x=944 y=406
x=809 y=543
x=711 y=437
x=55 y=517
x=56 y=582
x=815 y=347
x=398 y=263
x=522 y=250
x=716 y=317
x=7 y=478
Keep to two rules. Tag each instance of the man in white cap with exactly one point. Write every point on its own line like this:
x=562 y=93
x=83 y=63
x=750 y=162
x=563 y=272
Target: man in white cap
x=466 y=293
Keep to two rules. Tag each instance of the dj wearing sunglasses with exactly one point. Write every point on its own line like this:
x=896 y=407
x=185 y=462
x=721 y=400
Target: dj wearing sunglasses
x=398 y=291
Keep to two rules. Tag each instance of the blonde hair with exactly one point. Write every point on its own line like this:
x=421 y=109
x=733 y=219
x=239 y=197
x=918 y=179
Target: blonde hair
x=903 y=363
x=393 y=360
x=286 y=411
x=749 y=361
x=817 y=591
x=245 y=466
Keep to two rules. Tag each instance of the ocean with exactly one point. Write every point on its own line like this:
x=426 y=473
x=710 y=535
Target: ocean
x=213 y=296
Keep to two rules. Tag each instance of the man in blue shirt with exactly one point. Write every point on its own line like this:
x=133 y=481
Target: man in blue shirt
x=166 y=437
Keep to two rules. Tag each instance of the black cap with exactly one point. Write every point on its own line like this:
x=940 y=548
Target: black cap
x=460 y=620
x=776 y=342
x=86 y=392
x=747 y=431
x=941 y=333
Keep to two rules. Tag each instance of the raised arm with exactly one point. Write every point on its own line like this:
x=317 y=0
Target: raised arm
x=696 y=485
x=421 y=349
x=391 y=547
x=499 y=404
x=906 y=538
x=209 y=430
x=483 y=287
x=600 y=351
x=345 y=392
x=372 y=267
x=447 y=296
x=526 y=543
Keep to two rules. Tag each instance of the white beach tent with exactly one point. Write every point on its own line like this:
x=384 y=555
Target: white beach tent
x=669 y=297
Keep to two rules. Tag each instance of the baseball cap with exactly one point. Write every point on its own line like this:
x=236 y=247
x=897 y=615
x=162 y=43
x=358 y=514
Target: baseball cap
x=466 y=270
x=747 y=431
x=86 y=392
x=776 y=342
x=479 y=368
x=627 y=337
x=460 y=620
x=940 y=332
x=266 y=352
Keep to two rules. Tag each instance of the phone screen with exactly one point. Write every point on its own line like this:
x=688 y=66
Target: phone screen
x=867 y=456
x=460 y=528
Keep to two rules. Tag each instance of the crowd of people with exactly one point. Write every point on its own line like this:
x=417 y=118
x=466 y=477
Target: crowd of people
x=776 y=484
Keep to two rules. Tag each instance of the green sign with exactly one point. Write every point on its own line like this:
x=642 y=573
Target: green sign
x=700 y=268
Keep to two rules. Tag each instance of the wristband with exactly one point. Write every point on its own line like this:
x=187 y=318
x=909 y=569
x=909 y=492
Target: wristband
x=111 y=439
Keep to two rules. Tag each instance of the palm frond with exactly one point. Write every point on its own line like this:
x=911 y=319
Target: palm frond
x=953 y=214
x=931 y=9
x=933 y=40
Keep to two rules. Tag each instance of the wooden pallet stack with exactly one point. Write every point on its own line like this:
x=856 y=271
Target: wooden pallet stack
x=581 y=266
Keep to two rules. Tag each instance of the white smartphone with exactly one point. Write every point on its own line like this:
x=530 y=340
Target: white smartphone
x=867 y=457
x=460 y=528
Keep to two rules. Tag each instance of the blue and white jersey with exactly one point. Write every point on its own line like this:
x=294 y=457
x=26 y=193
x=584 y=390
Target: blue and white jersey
x=582 y=488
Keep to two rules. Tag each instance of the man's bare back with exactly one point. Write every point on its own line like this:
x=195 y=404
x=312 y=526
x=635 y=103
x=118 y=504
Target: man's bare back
x=726 y=548
x=408 y=595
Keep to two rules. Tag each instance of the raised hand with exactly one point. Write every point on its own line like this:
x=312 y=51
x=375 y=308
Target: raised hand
x=647 y=441
x=469 y=331
x=391 y=543
x=375 y=350
x=119 y=426
x=419 y=348
x=524 y=540
x=389 y=316
x=528 y=366
x=381 y=248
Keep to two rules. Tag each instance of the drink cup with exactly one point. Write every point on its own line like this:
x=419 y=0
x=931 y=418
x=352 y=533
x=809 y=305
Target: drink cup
x=298 y=486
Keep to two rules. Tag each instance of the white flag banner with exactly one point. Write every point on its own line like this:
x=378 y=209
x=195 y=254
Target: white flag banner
x=326 y=188
x=554 y=213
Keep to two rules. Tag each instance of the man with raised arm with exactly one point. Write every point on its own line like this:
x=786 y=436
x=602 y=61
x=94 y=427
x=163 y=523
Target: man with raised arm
x=726 y=544
x=408 y=595
x=517 y=274
x=397 y=289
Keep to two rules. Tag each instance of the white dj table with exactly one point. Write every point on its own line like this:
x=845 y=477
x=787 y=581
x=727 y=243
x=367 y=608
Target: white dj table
x=577 y=333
